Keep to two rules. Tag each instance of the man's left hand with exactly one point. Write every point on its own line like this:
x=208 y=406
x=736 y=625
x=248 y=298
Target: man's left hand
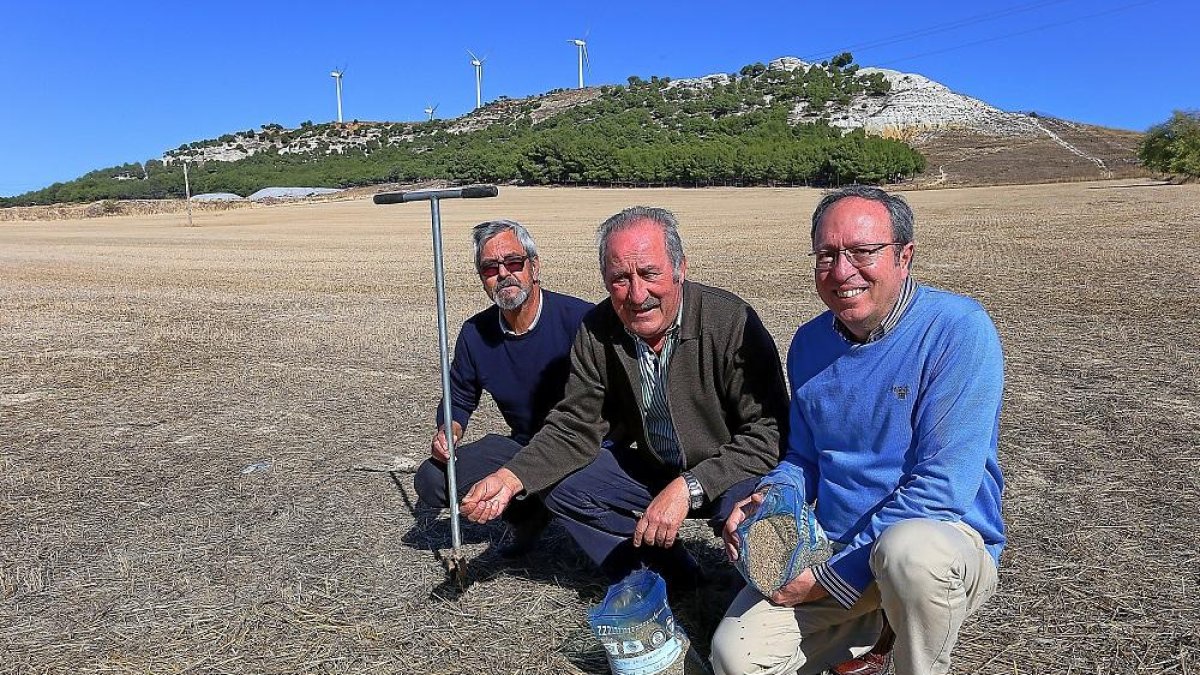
x=800 y=590
x=660 y=524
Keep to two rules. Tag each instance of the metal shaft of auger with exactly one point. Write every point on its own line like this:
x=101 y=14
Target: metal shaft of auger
x=444 y=355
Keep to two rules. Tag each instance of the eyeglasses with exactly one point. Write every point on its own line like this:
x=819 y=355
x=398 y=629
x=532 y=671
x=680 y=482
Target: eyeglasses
x=491 y=268
x=860 y=256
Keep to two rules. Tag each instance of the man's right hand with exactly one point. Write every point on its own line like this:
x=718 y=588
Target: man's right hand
x=439 y=449
x=488 y=498
x=741 y=511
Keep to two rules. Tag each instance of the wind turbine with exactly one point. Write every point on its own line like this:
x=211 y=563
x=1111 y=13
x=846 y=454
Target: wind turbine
x=478 y=63
x=429 y=110
x=337 y=79
x=581 y=45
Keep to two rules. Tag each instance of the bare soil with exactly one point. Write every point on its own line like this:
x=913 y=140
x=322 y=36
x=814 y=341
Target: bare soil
x=206 y=433
x=962 y=158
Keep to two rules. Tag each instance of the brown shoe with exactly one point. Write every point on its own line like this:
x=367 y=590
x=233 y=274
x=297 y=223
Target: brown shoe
x=870 y=663
x=878 y=661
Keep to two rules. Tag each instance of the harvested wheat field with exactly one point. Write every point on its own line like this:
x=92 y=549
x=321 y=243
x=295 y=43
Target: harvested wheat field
x=207 y=434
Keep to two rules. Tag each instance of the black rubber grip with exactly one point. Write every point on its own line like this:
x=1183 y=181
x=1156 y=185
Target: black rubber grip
x=389 y=198
x=479 y=191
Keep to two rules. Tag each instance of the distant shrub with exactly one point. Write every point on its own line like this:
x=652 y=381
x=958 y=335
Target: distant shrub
x=1174 y=146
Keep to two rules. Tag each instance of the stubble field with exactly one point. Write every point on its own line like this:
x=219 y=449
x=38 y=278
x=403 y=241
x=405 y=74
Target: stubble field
x=207 y=433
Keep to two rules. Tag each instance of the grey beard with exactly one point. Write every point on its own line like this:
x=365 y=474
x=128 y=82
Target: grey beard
x=509 y=303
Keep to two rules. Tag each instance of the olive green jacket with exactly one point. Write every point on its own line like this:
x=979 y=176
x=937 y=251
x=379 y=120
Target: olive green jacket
x=725 y=392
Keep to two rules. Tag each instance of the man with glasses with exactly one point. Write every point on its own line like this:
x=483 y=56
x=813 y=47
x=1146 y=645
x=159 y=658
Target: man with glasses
x=894 y=425
x=686 y=382
x=518 y=351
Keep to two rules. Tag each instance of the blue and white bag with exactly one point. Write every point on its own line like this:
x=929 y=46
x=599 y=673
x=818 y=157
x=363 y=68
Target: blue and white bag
x=780 y=540
x=637 y=628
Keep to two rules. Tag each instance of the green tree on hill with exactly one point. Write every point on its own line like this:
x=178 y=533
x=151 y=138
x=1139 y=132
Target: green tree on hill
x=1174 y=145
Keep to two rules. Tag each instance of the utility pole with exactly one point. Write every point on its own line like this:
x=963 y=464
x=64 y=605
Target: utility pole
x=187 y=193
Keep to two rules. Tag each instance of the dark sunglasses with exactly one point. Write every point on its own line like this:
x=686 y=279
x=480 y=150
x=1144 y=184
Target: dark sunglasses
x=491 y=268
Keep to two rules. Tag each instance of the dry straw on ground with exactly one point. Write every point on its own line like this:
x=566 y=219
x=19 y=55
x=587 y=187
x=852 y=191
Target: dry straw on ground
x=182 y=410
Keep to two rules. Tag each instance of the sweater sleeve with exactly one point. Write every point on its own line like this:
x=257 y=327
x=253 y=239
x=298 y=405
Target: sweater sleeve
x=574 y=429
x=755 y=407
x=955 y=424
x=465 y=387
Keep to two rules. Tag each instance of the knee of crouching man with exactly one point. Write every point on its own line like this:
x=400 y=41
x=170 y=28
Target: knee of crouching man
x=429 y=482
x=906 y=552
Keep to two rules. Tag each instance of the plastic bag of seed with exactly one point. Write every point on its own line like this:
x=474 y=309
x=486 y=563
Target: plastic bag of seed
x=635 y=625
x=780 y=540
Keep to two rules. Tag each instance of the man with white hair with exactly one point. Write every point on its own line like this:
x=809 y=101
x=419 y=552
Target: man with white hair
x=518 y=350
x=685 y=382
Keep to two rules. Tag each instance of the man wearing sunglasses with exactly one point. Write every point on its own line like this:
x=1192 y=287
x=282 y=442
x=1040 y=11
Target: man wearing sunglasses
x=518 y=351
x=893 y=433
x=685 y=381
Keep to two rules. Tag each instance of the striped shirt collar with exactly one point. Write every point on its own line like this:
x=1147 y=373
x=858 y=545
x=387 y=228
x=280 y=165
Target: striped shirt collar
x=907 y=292
x=537 y=317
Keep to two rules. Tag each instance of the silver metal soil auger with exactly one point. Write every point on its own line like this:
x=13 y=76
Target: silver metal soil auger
x=456 y=566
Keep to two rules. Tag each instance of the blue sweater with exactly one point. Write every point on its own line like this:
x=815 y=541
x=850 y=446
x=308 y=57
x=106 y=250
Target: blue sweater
x=525 y=374
x=904 y=427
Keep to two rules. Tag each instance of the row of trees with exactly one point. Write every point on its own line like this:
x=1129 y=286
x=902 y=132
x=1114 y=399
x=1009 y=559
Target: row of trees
x=770 y=152
x=766 y=154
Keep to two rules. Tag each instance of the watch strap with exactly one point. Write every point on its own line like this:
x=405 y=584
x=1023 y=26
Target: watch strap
x=695 y=490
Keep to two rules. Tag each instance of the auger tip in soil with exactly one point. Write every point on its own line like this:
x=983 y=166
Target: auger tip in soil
x=456 y=569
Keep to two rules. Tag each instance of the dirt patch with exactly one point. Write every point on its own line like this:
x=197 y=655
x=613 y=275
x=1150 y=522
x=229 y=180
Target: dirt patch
x=148 y=366
x=1080 y=153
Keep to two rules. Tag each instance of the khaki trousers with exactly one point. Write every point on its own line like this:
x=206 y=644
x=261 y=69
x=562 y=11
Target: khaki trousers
x=929 y=576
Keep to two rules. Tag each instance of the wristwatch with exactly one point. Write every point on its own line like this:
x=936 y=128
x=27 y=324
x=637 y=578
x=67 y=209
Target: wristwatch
x=695 y=491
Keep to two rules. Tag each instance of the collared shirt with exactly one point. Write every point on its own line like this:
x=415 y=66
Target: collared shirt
x=541 y=305
x=907 y=291
x=653 y=370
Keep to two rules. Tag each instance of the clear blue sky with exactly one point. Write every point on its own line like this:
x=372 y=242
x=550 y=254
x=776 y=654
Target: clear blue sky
x=94 y=84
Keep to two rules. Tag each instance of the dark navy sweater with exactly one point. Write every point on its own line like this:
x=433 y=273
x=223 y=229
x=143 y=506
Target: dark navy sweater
x=525 y=374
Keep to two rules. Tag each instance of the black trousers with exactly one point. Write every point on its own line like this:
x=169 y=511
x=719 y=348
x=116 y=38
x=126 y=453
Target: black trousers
x=472 y=463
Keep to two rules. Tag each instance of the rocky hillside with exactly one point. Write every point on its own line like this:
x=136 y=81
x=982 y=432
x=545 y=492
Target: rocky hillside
x=965 y=140
x=364 y=137
x=719 y=129
x=968 y=142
